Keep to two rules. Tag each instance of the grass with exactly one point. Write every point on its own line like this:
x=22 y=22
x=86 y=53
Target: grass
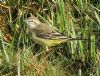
x=19 y=55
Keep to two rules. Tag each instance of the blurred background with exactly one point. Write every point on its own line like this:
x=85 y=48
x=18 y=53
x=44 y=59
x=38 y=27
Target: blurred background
x=79 y=19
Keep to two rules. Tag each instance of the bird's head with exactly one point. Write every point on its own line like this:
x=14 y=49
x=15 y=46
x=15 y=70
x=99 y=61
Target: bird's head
x=32 y=22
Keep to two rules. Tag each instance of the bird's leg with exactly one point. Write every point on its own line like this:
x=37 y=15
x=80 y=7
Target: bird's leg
x=47 y=49
x=44 y=54
x=43 y=50
x=47 y=53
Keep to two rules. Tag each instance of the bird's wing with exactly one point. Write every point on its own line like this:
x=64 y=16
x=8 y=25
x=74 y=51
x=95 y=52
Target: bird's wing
x=55 y=35
x=48 y=33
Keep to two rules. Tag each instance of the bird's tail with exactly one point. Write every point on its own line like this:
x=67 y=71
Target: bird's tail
x=78 y=39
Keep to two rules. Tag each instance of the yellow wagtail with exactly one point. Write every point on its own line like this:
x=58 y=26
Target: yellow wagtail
x=43 y=34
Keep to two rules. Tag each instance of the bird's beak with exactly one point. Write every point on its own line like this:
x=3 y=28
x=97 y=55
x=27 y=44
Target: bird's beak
x=26 y=21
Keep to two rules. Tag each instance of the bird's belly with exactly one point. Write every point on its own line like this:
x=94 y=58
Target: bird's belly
x=48 y=42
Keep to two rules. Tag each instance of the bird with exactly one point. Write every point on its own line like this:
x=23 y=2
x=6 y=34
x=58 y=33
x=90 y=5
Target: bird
x=44 y=34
